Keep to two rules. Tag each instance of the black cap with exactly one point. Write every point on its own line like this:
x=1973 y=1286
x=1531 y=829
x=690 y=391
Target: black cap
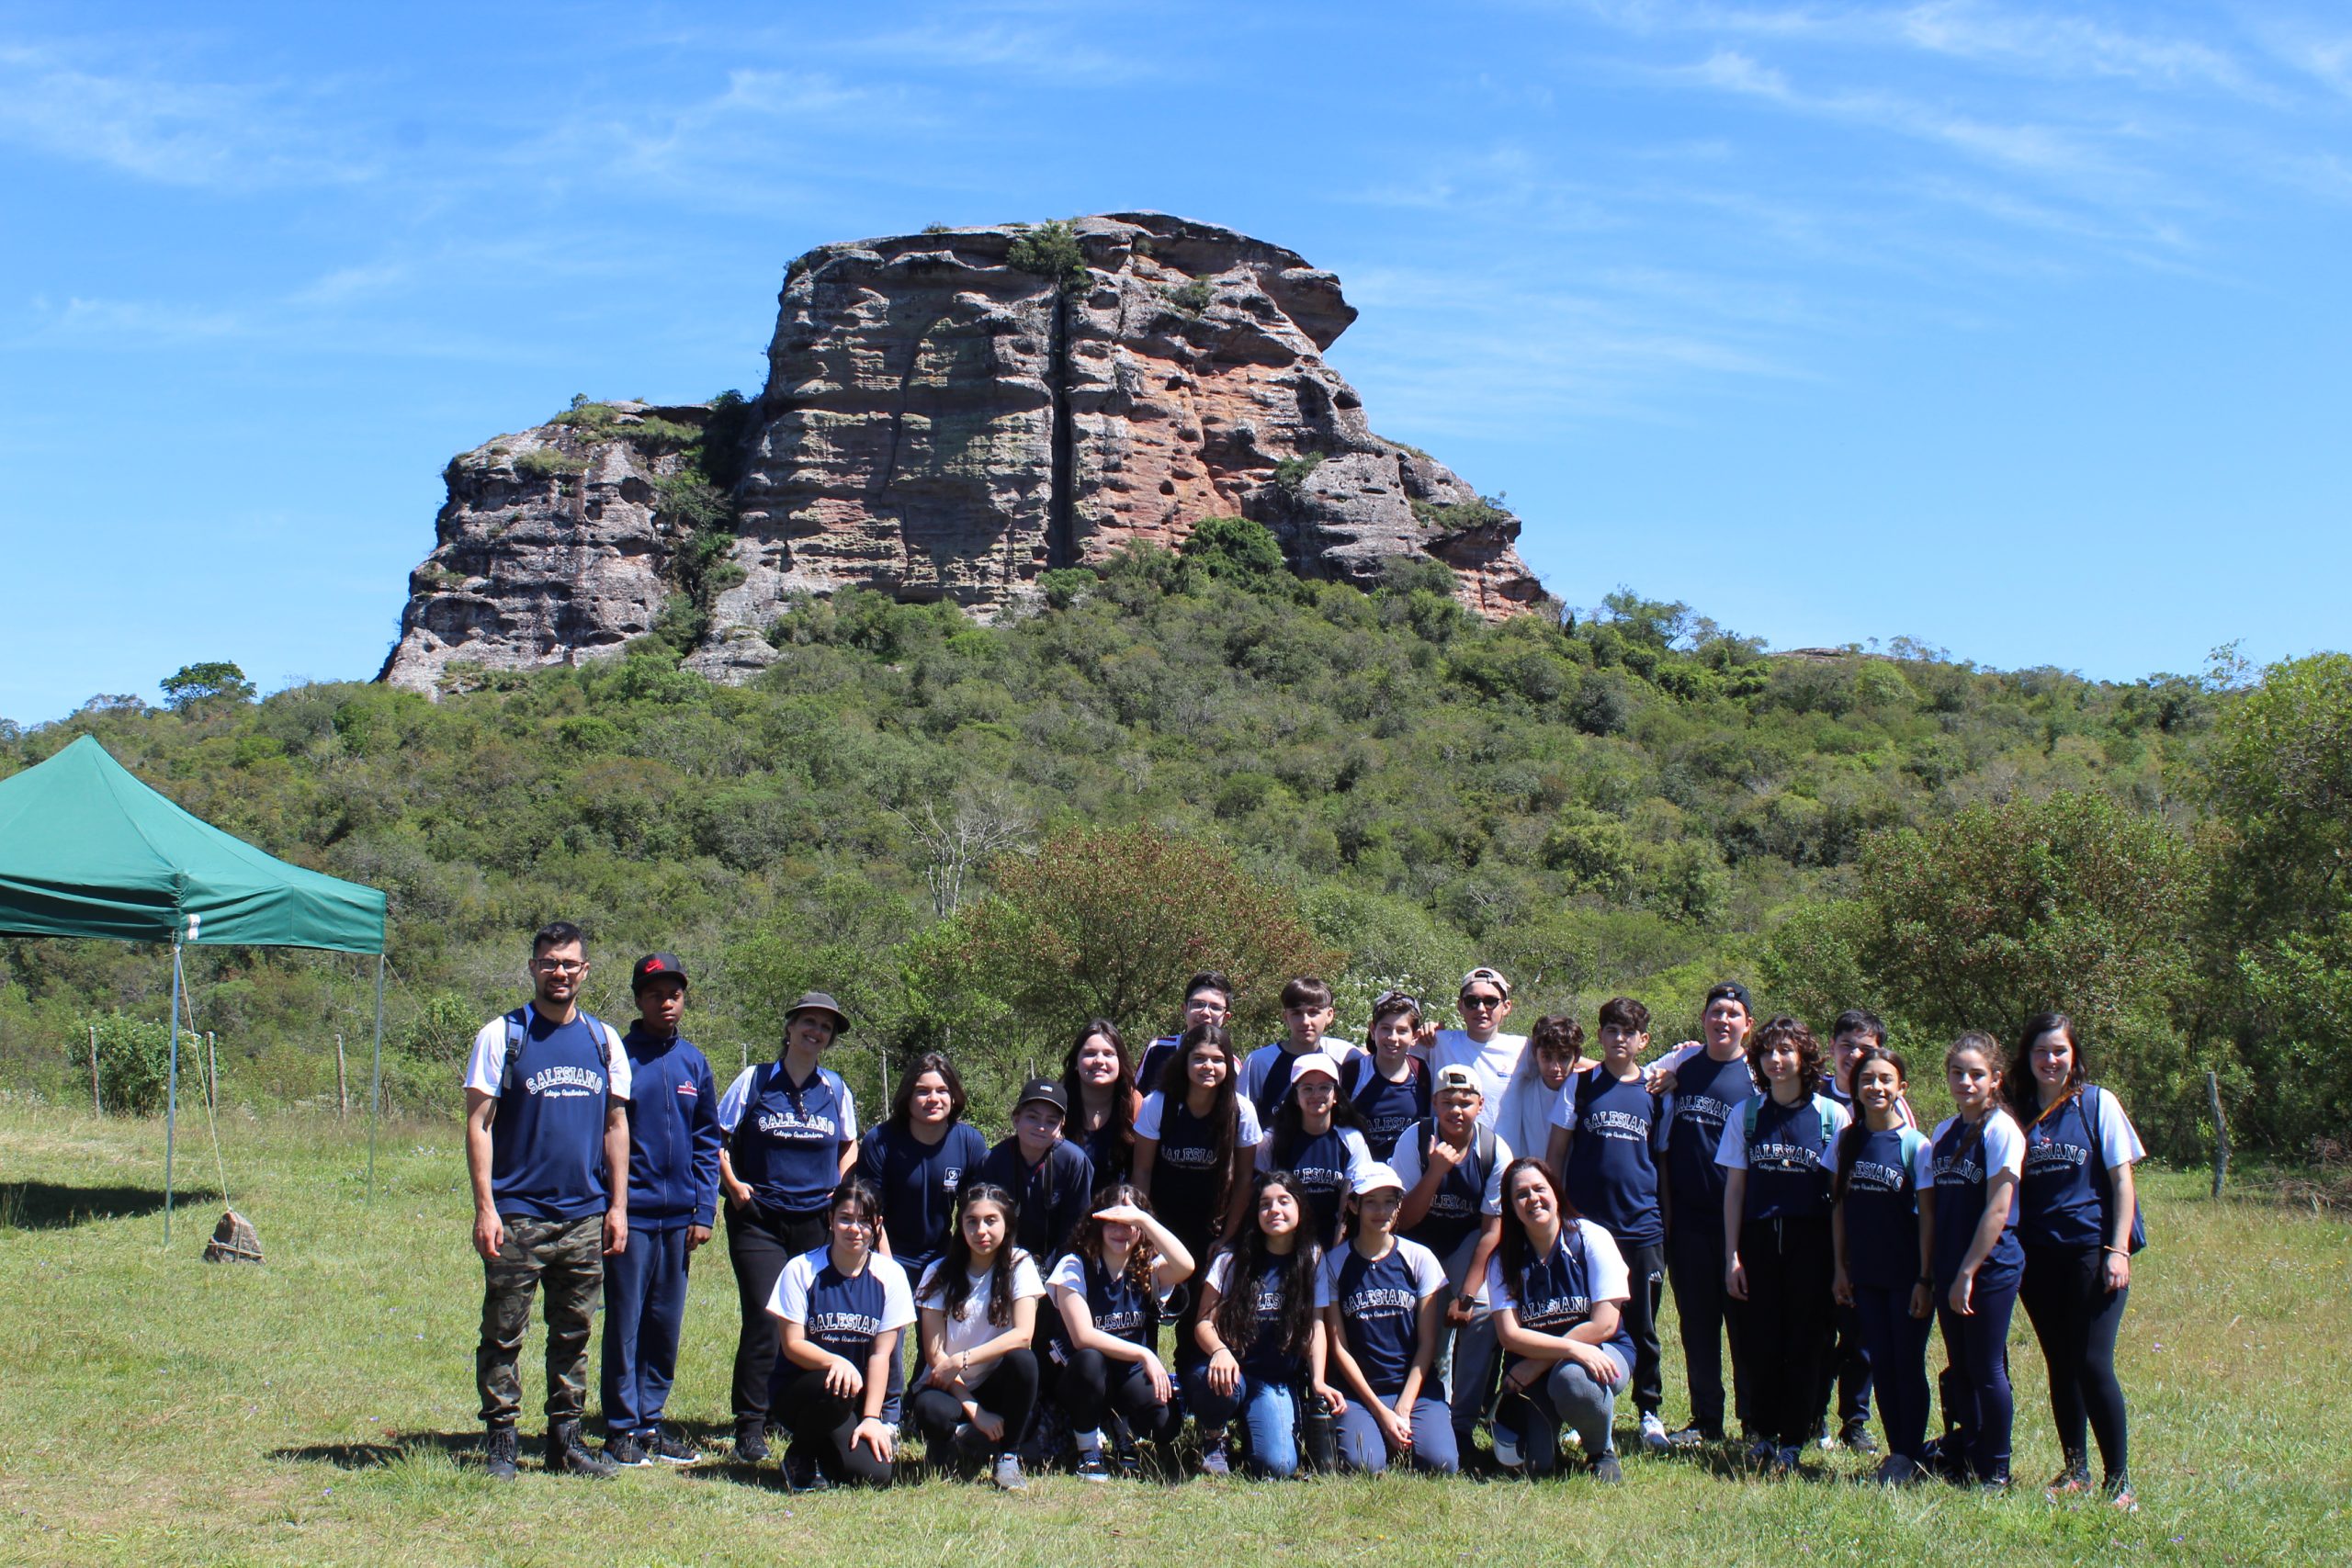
x=1045 y=1089
x=656 y=966
x=1736 y=992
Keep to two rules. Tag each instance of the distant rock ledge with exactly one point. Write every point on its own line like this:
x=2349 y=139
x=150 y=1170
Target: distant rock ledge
x=947 y=415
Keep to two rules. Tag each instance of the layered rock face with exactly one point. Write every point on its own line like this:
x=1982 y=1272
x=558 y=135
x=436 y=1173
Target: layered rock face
x=949 y=415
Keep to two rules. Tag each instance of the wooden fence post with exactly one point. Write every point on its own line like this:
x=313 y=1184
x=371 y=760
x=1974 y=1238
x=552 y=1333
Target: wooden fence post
x=97 y=1105
x=2220 y=1134
x=212 y=1069
x=342 y=1084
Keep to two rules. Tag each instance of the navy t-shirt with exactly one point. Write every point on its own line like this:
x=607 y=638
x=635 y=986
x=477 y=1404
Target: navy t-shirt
x=1325 y=1163
x=1387 y=1107
x=1965 y=1164
x=1706 y=1094
x=1053 y=1195
x=1620 y=1134
x=1110 y=1155
x=1882 y=1208
x=918 y=1184
x=1269 y=1357
x=1786 y=1152
x=546 y=1140
x=1115 y=1304
x=1154 y=1065
x=1380 y=1305
x=1558 y=1291
x=1185 y=1183
x=2064 y=1195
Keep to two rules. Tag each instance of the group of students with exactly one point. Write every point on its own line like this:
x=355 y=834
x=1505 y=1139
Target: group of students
x=1366 y=1254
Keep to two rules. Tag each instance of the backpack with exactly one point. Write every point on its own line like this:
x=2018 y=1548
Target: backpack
x=1754 y=1107
x=2105 y=1177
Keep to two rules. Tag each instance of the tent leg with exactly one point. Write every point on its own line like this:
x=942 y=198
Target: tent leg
x=376 y=1079
x=172 y=1096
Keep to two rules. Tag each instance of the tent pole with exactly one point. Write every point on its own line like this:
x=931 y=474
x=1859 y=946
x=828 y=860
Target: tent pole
x=376 y=1079
x=172 y=1093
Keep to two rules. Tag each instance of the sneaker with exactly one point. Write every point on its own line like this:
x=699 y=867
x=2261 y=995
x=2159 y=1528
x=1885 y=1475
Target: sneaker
x=1090 y=1468
x=1857 y=1439
x=2076 y=1477
x=661 y=1445
x=1654 y=1438
x=751 y=1442
x=1824 y=1437
x=1996 y=1487
x=1607 y=1471
x=1212 y=1460
x=1506 y=1447
x=567 y=1455
x=2120 y=1495
x=1761 y=1453
x=498 y=1452
x=1787 y=1461
x=623 y=1450
x=1895 y=1470
x=1692 y=1437
x=801 y=1474
x=1006 y=1473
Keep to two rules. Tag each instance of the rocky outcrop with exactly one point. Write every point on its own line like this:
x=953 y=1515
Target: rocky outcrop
x=947 y=415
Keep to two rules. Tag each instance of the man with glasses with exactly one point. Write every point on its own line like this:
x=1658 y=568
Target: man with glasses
x=1208 y=998
x=1480 y=1044
x=546 y=1146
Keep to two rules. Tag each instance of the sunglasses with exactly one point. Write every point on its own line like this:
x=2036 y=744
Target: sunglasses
x=1482 y=1002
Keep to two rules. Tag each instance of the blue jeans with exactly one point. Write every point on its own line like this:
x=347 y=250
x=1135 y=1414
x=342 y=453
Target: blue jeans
x=1269 y=1412
x=1568 y=1396
x=645 y=1304
x=1361 y=1446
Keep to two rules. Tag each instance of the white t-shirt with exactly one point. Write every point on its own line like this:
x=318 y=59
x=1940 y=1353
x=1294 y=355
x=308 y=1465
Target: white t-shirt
x=790 y=1300
x=486 y=1062
x=1609 y=1280
x=970 y=1327
x=1494 y=1061
x=1405 y=1160
x=2003 y=1148
x=1524 y=1118
x=1429 y=1274
x=1149 y=1113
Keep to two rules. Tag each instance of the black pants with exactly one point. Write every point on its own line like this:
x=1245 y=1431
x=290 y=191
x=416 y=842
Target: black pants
x=1788 y=1264
x=1008 y=1391
x=1091 y=1385
x=1845 y=1370
x=1645 y=1278
x=1897 y=1344
x=2075 y=1319
x=1705 y=1315
x=822 y=1423
x=759 y=1241
x=1978 y=1406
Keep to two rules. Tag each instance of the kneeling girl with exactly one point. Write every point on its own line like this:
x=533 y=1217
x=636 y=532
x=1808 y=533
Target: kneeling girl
x=1558 y=1288
x=840 y=1309
x=977 y=1307
x=1258 y=1337
x=1381 y=1297
x=1108 y=1289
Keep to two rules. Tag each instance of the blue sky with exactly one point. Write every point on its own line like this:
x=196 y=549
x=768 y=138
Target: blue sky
x=2022 y=330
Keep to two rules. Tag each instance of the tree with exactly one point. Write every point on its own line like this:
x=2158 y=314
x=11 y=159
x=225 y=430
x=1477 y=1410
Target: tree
x=979 y=828
x=193 y=685
x=1240 y=551
x=1110 y=923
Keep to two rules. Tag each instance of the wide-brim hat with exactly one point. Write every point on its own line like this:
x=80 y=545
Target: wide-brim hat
x=818 y=1001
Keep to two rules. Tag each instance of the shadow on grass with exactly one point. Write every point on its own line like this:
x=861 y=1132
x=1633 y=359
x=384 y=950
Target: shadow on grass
x=53 y=1206
x=461 y=1446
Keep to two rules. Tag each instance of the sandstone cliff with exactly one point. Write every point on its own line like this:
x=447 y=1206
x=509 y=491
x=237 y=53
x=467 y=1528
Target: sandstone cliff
x=947 y=415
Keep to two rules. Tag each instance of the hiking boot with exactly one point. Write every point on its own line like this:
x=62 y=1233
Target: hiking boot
x=1692 y=1437
x=1212 y=1460
x=1607 y=1471
x=498 y=1452
x=1896 y=1469
x=567 y=1455
x=2120 y=1497
x=623 y=1450
x=1006 y=1473
x=661 y=1445
x=2072 y=1477
x=1857 y=1439
x=751 y=1442
x=801 y=1474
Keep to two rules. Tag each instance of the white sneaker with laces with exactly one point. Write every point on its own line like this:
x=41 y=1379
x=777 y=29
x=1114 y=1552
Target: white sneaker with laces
x=1653 y=1433
x=1007 y=1473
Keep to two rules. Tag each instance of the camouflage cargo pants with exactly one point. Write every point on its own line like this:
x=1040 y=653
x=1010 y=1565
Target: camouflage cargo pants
x=567 y=1258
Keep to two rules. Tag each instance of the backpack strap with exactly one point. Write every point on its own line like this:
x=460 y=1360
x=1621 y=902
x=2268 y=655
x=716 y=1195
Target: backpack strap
x=1912 y=1142
x=518 y=1032
x=1482 y=1143
x=1749 y=1109
x=1822 y=1105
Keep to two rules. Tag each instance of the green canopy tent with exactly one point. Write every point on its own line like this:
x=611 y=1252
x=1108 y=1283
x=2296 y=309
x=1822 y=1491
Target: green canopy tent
x=89 y=850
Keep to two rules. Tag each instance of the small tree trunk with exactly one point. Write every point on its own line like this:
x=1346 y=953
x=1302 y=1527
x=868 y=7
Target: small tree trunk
x=2220 y=1133
x=98 y=1104
x=342 y=1084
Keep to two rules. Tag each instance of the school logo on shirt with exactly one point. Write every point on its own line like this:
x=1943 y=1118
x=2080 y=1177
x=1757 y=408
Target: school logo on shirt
x=1705 y=1110
x=688 y=1091
x=2048 y=1154
x=565 y=1083
x=1622 y=1124
x=951 y=1180
x=1869 y=1175
x=1192 y=1159
x=1379 y=1299
x=1543 y=1313
x=1952 y=1170
x=1788 y=1158
x=843 y=1325
x=791 y=1126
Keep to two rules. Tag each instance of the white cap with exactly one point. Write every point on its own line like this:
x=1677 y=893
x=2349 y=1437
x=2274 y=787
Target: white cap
x=1314 y=1061
x=1376 y=1176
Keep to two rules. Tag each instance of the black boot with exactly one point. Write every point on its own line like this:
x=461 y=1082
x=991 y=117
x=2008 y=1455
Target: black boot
x=567 y=1455
x=498 y=1452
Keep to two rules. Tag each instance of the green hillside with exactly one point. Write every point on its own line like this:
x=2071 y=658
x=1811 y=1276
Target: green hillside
x=1634 y=799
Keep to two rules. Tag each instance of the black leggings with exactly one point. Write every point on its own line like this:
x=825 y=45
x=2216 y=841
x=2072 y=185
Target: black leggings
x=1789 y=1265
x=1092 y=1383
x=759 y=1241
x=822 y=1423
x=1977 y=1402
x=2076 y=1318
x=1009 y=1391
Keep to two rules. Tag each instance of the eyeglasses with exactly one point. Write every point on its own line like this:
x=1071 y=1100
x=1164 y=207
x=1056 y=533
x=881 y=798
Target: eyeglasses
x=558 y=967
x=1482 y=1003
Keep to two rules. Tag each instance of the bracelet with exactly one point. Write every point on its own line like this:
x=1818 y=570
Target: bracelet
x=2120 y=1252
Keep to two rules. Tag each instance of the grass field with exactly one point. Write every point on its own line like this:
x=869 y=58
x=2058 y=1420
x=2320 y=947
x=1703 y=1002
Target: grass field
x=320 y=1409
